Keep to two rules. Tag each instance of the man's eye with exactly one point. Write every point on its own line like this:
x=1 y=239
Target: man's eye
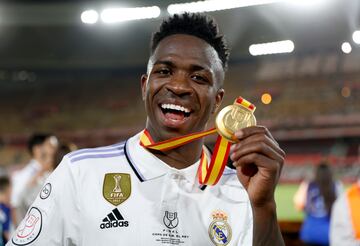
x=199 y=78
x=163 y=71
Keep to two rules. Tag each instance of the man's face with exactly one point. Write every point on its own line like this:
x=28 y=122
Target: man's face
x=45 y=153
x=182 y=87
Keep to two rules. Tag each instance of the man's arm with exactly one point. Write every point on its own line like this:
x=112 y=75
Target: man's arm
x=258 y=160
x=266 y=228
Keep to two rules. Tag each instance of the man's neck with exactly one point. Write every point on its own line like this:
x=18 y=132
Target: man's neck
x=181 y=157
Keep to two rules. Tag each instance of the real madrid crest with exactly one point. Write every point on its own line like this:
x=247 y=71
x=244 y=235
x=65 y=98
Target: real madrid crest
x=116 y=187
x=219 y=229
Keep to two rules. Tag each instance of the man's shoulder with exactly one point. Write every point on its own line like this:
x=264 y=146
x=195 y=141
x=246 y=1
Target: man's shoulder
x=98 y=153
x=91 y=162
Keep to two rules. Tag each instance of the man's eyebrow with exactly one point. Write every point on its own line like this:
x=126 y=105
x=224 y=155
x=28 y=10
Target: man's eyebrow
x=198 y=67
x=168 y=63
x=193 y=67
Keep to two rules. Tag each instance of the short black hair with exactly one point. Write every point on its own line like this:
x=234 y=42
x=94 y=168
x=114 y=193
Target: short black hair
x=195 y=24
x=4 y=183
x=37 y=139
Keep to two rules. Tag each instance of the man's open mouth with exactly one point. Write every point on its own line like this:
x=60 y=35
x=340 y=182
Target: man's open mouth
x=175 y=112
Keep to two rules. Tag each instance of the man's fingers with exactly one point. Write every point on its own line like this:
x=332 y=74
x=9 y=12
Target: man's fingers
x=257 y=154
x=263 y=140
x=257 y=159
x=256 y=147
x=252 y=130
x=260 y=161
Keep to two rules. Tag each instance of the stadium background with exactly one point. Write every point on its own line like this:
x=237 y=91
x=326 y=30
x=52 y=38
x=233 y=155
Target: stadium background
x=82 y=81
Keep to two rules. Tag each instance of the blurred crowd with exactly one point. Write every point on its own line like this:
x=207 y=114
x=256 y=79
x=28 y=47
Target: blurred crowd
x=19 y=189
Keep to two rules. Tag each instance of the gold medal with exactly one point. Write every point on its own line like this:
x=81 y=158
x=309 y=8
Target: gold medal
x=235 y=117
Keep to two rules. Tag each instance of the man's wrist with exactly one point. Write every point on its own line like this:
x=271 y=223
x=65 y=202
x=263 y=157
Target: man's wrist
x=266 y=228
x=266 y=206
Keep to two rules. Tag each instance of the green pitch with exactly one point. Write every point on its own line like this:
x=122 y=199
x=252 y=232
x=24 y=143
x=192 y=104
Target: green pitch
x=284 y=201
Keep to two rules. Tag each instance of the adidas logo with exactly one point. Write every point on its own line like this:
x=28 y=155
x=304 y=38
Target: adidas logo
x=114 y=219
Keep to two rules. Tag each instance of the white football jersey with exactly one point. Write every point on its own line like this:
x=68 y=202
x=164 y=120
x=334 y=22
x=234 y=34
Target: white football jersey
x=124 y=195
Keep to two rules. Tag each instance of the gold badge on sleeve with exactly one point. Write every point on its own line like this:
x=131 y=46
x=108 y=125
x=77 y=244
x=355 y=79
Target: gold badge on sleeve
x=116 y=187
x=235 y=117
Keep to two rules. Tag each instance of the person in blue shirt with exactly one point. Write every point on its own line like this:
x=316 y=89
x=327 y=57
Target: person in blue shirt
x=5 y=212
x=317 y=198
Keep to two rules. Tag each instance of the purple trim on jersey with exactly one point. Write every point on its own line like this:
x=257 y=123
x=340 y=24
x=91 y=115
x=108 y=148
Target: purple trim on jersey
x=115 y=154
x=115 y=147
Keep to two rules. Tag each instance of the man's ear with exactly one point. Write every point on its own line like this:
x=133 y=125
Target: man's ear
x=219 y=97
x=143 y=85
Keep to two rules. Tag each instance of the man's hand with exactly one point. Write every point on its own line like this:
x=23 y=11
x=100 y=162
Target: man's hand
x=258 y=160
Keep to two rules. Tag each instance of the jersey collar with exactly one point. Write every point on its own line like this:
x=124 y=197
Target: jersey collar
x=147 y=166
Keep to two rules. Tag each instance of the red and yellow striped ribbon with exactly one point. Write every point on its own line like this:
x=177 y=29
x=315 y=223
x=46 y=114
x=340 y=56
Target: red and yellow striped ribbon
x=245 y=103
x=207 y=174
x=172 y=143
x=210 y=174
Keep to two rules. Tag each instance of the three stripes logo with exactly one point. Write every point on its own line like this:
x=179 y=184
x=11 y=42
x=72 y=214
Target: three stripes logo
x=114 y=219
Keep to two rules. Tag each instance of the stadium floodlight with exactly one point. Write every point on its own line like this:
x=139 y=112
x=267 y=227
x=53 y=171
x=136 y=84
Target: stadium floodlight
x=346 y=91
x=356 y=37
x=346 y=47
x=306 y=2
x=285 y=46
x=89 y=16
x=266 y=98
x=114 y=15
x=215 y=5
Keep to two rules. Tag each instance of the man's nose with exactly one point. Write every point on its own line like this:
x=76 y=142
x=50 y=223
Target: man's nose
x=180 y=84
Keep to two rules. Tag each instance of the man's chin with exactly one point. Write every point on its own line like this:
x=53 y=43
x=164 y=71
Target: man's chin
x=169 y=128
x=171 y=131
x=176 y=125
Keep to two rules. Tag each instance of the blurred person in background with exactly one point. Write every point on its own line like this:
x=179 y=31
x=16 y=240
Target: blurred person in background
x=345 y=218
x=5 y=211
x=316 y=198
x=42 y=148
x=64 y=148
x=35 y=184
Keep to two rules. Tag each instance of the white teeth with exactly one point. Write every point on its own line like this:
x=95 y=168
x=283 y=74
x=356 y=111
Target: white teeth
x=175 y=107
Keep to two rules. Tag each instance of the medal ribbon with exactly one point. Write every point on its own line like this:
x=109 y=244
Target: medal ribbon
x=207 y=174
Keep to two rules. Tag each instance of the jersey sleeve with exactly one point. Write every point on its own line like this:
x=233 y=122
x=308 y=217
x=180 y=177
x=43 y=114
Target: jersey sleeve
x=52 y=218
x=341 y=231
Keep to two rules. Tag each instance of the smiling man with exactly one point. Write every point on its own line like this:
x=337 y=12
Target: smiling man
x=127 y=194
x=182 y=88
